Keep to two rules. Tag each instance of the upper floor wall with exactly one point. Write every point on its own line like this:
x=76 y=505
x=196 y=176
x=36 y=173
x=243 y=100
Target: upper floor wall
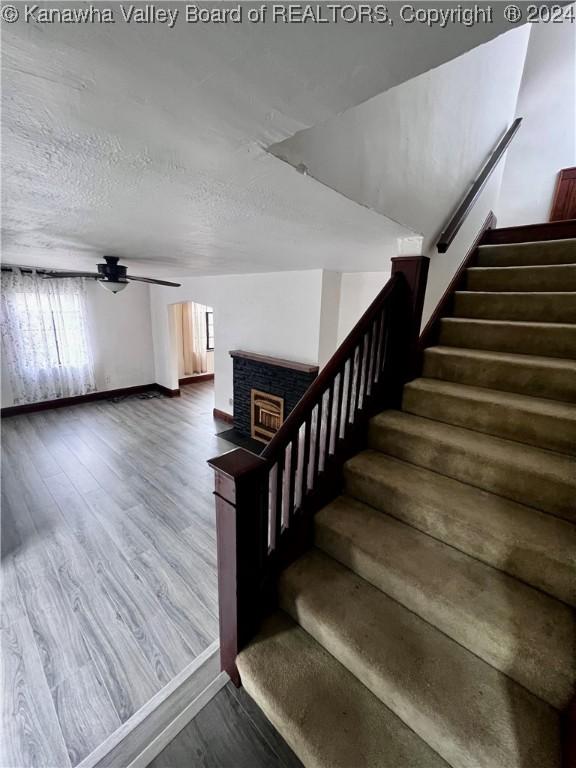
x=412 y=152
x=546 y=142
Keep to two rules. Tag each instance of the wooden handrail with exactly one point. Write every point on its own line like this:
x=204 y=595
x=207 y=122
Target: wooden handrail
x=265 y=504
x=461 y=213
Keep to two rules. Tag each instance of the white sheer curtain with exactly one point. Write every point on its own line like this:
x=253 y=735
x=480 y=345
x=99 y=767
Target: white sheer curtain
x=45 y=345
x=194 y=337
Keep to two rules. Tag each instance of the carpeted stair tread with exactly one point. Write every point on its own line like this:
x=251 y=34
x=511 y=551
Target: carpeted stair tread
x=544 y=423
x=559 y=307
x=499 y=618
x=326 y=715
x=531 y=545
x=538 y=478
x=549 y=339
x=547 y=377
x=528 y=254
x=467 y=711
x=557 y=277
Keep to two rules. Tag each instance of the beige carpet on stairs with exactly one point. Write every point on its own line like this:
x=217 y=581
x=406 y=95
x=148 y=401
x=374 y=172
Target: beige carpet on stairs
x=433 y=622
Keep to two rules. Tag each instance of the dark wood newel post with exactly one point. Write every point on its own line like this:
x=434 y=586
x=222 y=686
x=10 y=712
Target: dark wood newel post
x=415 y=272
x=241 y=533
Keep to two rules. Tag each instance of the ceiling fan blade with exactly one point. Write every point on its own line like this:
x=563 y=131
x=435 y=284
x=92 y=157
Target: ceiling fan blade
x=152 y=280
x=55 y=273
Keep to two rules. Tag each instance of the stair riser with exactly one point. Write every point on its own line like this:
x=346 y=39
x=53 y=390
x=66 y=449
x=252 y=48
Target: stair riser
x=521 y=376
x=561 y=278
x=550 y=494
x=517 y=255
x=538 y=429
x=469 y=621
x=552 y=341
x=535 y=307
x=432 y=517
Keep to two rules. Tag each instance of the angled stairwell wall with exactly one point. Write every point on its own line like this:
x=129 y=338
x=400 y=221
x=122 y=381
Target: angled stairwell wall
x=412 y=152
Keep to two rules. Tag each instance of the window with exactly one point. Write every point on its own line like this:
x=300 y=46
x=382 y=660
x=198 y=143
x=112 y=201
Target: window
x=210 y=330
x=55 y=333
x=45 y=342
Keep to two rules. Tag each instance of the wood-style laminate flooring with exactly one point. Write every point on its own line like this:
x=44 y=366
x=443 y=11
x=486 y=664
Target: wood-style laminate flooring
x=230 y=732
x=108 y=566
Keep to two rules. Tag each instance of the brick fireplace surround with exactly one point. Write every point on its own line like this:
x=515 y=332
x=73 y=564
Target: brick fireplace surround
x=284 y=378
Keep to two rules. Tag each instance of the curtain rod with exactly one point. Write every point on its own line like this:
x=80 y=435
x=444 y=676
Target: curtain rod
x=11 y=267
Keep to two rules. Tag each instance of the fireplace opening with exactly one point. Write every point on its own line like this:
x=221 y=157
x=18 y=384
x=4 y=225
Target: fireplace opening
x=266 y=415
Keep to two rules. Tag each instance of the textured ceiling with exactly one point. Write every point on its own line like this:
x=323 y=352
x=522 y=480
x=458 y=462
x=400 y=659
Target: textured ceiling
x=150 y=143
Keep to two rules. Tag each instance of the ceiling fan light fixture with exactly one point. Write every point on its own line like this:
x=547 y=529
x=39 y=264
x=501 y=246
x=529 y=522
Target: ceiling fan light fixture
x=114 y=286
x=110 y=274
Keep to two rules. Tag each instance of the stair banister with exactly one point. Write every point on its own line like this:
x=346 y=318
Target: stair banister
x=265 y=504
x=461 y=213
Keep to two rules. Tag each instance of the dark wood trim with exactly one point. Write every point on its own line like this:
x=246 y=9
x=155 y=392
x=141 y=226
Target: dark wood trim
x=223 y=416
x=277 y=361
x=531 y=233
x=564 y=201
x=239 y=539
x=197 y=378
x=64 y=402
x=461 y=213
x=414 y=270
x=431 y=332
x=166 y=391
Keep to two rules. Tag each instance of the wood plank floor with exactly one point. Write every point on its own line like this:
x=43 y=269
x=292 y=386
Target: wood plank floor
x=230 y=732
x=108 y=566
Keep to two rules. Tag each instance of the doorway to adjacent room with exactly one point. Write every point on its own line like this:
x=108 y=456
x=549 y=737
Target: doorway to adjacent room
x=194 y=326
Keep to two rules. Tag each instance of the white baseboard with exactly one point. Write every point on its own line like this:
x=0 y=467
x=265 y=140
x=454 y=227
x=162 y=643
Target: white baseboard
x=144 y=735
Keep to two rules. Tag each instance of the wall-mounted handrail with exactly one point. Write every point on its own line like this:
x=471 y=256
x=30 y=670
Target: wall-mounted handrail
x=265 y=504
x=461 y=213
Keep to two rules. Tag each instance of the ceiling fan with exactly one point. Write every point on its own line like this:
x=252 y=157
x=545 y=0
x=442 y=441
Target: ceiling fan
x=110 y=275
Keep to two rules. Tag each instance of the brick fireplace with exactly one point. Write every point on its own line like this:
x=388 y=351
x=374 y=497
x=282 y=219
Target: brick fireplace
x=266 y=389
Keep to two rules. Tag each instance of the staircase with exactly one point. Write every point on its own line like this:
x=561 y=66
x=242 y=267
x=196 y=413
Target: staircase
x=431 y=624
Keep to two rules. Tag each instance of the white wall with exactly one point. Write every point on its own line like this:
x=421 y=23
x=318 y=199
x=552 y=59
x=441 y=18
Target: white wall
x=121 y=336
x=329 y=311
x=546 y=142
x=276 y=314
x=301 y=316
x=412 y=152
x=443 y=266
x=358 y=290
